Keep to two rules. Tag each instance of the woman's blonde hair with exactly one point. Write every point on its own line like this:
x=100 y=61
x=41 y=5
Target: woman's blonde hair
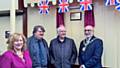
x=15 y=37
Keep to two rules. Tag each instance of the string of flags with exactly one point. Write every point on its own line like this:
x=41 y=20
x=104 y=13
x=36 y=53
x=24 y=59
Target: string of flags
x=117 y=7
x=85 y=5
x=44 y=7
x=63 y=5
x=116 y=3
x=111 y=2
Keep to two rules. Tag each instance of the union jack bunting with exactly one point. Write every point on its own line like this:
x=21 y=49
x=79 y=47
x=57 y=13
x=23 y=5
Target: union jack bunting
x=44 y=7
x=117 y=7
x=111 y=2
x=85 y=5
x=63 y=6
x=82 y=0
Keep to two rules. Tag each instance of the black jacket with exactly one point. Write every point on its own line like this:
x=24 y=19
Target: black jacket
x=91 y=56
x=63 y=54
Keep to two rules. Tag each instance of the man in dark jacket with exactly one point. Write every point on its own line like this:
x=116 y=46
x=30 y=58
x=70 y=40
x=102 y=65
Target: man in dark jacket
x=62 y=50
x=38 y=48
x=91 y=49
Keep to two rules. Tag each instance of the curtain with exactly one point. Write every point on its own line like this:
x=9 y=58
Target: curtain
x=59 y=19
x=89 y=17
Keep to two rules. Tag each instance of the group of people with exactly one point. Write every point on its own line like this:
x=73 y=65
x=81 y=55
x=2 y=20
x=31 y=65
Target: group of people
x=62 y=53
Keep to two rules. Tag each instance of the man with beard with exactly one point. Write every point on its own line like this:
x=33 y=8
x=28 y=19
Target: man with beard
x=38 y=48
x=91 y=49
x=62 y=50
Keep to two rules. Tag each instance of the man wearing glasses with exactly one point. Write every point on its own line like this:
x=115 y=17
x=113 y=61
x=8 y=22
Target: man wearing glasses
x=38 y=48
x=91 y=49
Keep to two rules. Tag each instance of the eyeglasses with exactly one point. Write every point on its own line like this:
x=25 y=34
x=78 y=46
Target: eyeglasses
x=62 y=31
x=88 y=30
x=40 y=31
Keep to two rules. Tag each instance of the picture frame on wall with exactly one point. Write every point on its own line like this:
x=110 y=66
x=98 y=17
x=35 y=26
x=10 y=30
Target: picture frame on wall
x=75 y=16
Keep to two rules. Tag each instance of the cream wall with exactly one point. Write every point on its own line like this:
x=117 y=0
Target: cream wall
x=5 y=26
x=6 y=4
x=107 y=28
x=74 y=29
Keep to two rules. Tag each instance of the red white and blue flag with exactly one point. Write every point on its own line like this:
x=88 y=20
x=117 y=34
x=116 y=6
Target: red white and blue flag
x=117 y=7
x=85 y=5
x=63 y=6
x=44 y=7
x=111 y=2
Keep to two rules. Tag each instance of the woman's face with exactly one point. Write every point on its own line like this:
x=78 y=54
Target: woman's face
x=18 y=44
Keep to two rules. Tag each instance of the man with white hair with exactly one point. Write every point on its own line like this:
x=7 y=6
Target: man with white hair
x=91 y=49
x=63 y=52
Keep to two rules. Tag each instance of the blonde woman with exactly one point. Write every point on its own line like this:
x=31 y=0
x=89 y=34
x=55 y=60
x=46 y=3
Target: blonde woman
x=17 y=56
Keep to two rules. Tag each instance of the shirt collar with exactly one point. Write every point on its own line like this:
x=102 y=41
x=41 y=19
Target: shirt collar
x=59 y=39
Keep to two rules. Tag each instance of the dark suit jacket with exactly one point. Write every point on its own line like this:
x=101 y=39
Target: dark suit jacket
x=32 y=43
x=91 y=57
x=63 y=54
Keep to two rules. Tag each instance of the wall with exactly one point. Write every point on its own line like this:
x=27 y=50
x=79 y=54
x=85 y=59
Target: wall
x=107 y=27
x=5 y=26
x=6 y=5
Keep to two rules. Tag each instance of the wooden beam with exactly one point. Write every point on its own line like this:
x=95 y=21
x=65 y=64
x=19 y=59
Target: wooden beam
x=21 y=7
x=7 y=13
x=20 y=4
x=25 y=22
